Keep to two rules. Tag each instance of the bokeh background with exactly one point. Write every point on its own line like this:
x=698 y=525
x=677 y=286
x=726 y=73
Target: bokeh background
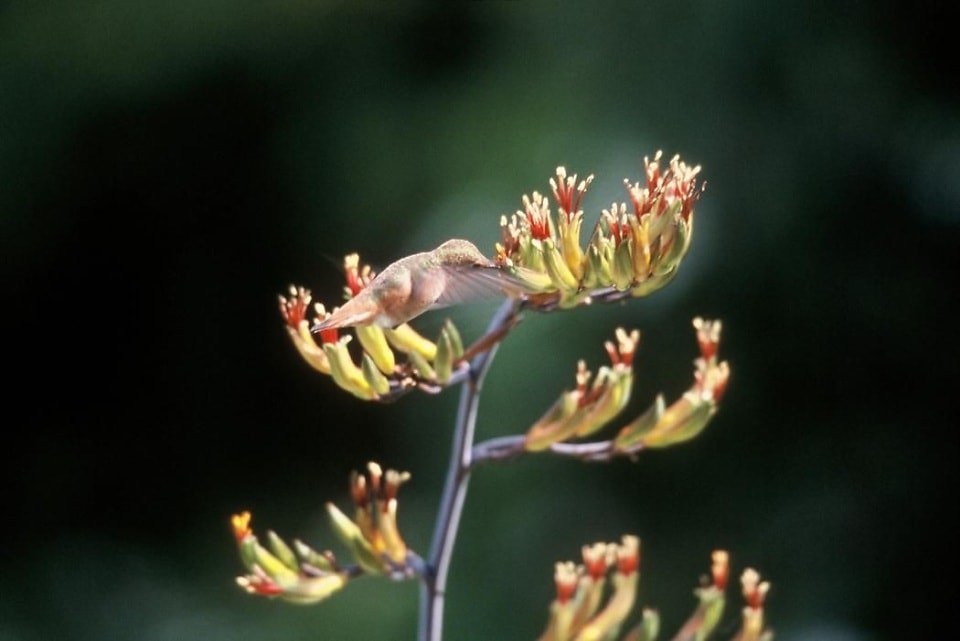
x=168 y=168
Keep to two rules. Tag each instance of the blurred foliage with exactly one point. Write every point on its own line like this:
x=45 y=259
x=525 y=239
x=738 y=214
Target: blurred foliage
x=168 y=168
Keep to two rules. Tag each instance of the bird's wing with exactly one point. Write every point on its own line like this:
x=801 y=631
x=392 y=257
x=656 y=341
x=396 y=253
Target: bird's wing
x=473 y=283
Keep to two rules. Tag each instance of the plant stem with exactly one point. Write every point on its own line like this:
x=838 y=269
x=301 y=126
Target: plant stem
x=434 y=585
x=504 y=448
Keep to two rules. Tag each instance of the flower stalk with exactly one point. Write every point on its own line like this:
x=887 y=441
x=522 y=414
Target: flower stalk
x=634 y=249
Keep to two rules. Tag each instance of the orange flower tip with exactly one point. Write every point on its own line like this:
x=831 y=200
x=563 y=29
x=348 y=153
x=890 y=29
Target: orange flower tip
x=720 y=569
x=241 y=525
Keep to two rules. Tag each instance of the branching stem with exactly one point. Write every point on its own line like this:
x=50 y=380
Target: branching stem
x=434 y=585
x=509 y=447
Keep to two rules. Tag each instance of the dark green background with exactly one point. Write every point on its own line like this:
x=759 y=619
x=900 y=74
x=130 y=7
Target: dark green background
x=168 y=168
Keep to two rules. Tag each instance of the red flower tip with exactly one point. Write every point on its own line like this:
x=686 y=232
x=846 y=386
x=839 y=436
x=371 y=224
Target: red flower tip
x=678 y=182
x=329 y=335
x=622 y=353
x=595 y=560
x=612 y=352
x=754 y=590
x=358 y=490
x=720 y=569
x=259 y=583
x=378 y=485
x=566 y=579
x=628 y=555
x=357 y=278
x=652 y=171
x=294 y=309
x=567 y=192
x=538 y=216
x=616 y=223
x=708 y=336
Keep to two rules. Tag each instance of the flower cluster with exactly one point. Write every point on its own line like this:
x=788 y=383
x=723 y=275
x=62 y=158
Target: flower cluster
x=299 y=574
x=662 y=426
x=634 y=249
x=576 y=613
x=372 y=536
x=579 y=612
x=587 y=408
x=379 y=375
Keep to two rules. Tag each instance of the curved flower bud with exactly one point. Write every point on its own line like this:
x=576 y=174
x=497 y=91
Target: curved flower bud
x=712 y=599
x=356 y=541
x=597 y=560
x=374 y=343
x=553 y=426
x=614 y=235
x=647 y=629
x=281 y=573
x=318 y=563
x=345 y=372
x=373 y=536
x=754 y=593
x=576 y=613
x=566 y=578
x=373 y=376
x=563 y=279
x=568 y=194
x=282 y=551
x=688 y=416
x=586 y=409
x=624 y=582
x=409 y=341
x=294 y=312
x=443 y=363
x=421 y=367
x=599 y=265
x=536 y=281
x=456 y=341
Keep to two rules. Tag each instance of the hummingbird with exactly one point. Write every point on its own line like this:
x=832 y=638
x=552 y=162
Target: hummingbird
x=453 y=273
